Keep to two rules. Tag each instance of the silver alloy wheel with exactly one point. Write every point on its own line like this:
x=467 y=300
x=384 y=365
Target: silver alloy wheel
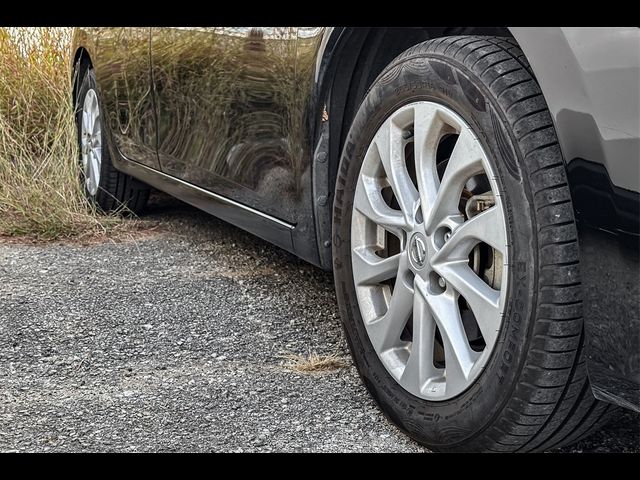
x=416 y=252
x=91 y=142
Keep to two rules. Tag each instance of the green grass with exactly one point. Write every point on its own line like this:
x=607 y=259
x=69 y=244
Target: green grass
x=40 y=193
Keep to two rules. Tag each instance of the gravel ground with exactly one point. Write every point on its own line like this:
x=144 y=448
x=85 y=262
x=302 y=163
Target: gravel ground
x=176 y=341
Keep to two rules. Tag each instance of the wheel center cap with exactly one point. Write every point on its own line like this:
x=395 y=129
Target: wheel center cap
x=418 y=250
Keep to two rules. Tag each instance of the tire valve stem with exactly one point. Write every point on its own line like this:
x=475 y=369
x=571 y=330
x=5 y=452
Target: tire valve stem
x=407 y=134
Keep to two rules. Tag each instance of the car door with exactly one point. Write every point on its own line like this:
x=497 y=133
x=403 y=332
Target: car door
x=227 y=115
x=122 y=70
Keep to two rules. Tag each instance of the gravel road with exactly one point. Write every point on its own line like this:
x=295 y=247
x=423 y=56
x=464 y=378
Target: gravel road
x=176 y=340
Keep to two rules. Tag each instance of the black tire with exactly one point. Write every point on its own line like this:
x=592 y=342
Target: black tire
x=534 y=393
x=117 y=191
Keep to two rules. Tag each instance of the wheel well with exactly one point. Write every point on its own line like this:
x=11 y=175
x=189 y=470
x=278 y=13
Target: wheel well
x=364 y=53
x=81 y=62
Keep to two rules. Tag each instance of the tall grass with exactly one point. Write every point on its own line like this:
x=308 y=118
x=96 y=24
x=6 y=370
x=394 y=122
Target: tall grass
x=40 y=192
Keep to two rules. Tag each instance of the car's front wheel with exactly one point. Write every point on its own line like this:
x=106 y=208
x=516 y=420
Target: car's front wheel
x=456 y=257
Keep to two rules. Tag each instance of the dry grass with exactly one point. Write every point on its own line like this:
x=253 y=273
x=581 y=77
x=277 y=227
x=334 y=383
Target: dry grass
x=40 y=193
x=314 y=363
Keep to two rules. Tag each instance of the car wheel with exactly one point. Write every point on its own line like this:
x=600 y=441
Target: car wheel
x=456 y=258
x=104 y=186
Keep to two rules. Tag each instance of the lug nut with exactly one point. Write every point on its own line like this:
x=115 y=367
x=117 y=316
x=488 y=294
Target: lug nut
x=442 y=283
x=447 y=236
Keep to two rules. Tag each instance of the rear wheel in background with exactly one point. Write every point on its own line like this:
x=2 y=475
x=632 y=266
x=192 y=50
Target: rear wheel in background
x=456 y=258
x=104 y=186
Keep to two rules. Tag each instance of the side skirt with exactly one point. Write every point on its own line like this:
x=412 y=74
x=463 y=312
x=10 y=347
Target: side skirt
x=268 y=228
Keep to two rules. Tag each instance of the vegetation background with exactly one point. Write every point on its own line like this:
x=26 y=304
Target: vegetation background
x=40 y=193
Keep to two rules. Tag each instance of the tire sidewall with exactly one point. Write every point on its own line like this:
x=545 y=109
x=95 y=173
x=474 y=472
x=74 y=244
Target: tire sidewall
x=462 y=419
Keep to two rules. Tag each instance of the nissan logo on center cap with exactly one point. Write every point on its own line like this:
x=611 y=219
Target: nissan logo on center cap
x=418 y=250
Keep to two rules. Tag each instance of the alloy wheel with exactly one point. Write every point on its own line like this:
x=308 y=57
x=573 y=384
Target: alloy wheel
x=91 y=142
x=429 y=250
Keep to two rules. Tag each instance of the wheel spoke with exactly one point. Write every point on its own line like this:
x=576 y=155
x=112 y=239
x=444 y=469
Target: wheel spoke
x=483 y=300
x=369 y=268
x=90 y=121
x=465 y=161
x=385 y=331
x=369 y=202
x=95 y=169
x=85 y=122
x=94 y=105
x=459 y=358
x=87 y=171
x=485 y=227
x=426 y=135
x=85 y=162
x=97 y=133
x=420 y=367
x=390 y=147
